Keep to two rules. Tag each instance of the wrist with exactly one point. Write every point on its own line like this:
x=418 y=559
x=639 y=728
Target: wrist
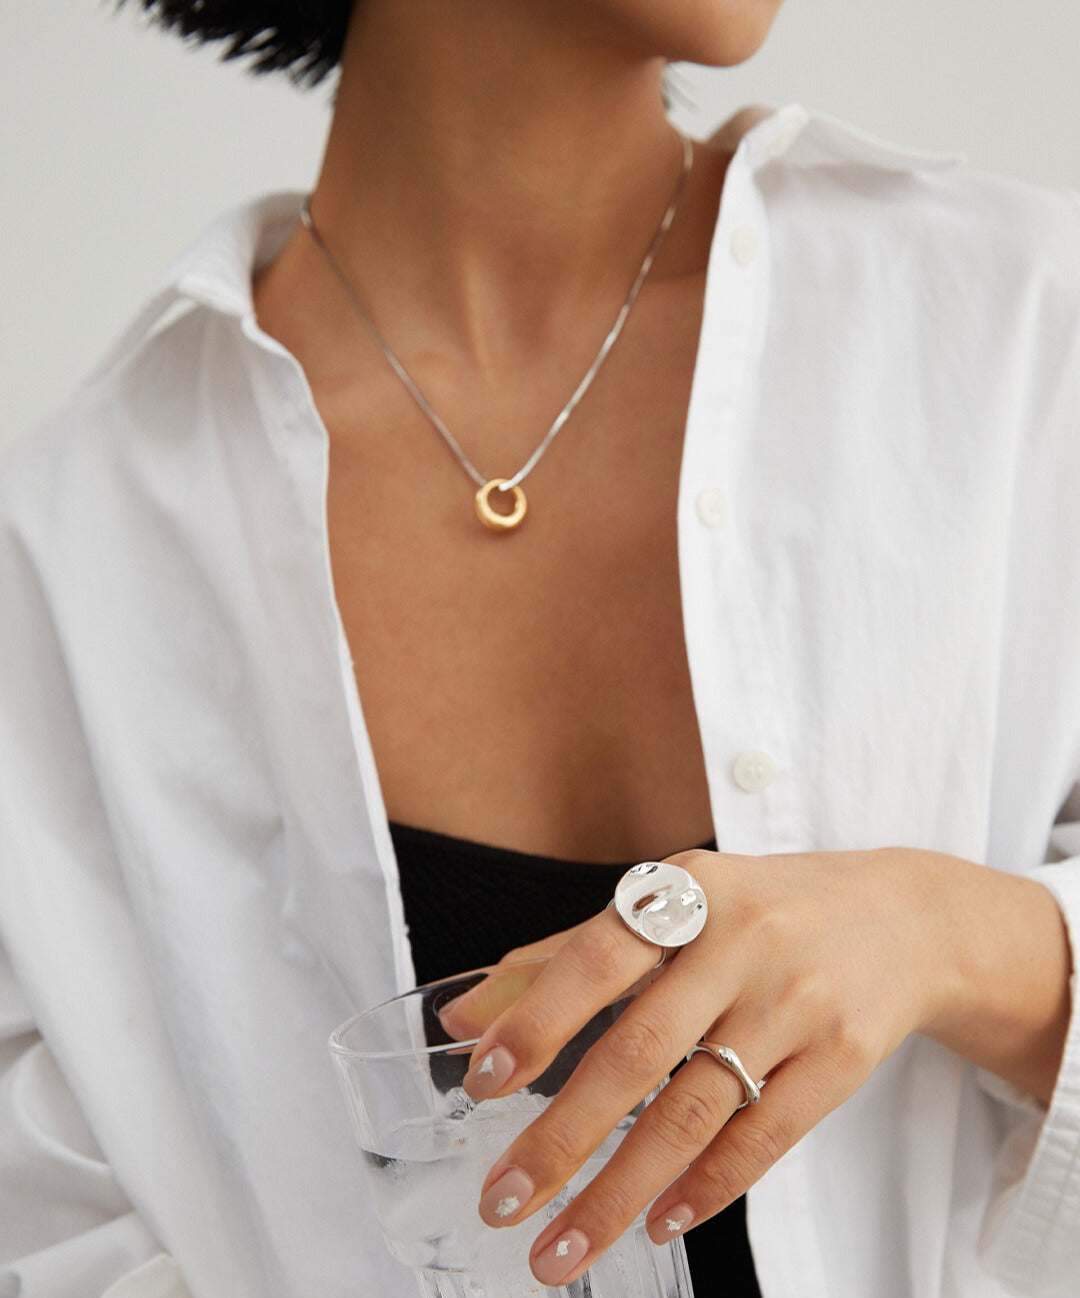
x=949 y=950
x=999 y=991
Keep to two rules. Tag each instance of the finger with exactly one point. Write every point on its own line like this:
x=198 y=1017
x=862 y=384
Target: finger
x=466 y=1016
x=590 y=971
x=671 y=1132
x=635 y=1054
x=799 y=1094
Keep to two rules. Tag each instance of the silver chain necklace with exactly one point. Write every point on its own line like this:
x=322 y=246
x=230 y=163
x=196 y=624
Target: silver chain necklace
x=488 y=515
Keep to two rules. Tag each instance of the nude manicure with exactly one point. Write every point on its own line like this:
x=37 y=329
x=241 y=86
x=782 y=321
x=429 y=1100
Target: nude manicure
x=562 y=1255
x=505 y=1198
x=671 y=1224
x=490 y=1073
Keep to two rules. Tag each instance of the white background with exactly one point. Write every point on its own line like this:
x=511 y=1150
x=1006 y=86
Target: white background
x=119 y=144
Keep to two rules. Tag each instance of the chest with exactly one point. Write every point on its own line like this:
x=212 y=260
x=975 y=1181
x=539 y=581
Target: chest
x=529 y=689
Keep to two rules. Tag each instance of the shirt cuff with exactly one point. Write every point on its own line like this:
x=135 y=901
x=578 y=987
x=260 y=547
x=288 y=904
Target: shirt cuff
x=1032 y=1233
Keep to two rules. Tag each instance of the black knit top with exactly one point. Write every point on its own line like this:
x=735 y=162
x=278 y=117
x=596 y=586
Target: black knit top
x=457 y=921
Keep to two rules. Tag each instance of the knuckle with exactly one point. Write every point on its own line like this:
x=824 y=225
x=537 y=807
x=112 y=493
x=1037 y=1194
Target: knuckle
x=693 y=860
x=760 y=1144
x=638 y=1046
x=822 y=1014
x=810 y=994
x=684 y=1120
x=733 y=1164
x=553 y=1153
x=849 y=1047
x=608 y=1207
x=811 y=1002
x=558 y=1149
x=772 y=923
x=753 y=914
x=528 y=1028
x=601 y=953
x=718 y=1180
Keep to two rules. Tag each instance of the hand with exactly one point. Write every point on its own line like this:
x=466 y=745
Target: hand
x=812 y=967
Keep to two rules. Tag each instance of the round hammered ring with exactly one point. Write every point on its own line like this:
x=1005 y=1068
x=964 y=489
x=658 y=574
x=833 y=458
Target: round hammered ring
x=662 y=903
x=491 y=517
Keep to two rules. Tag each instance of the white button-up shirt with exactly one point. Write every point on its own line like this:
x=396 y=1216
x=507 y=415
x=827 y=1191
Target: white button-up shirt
x=879 y=546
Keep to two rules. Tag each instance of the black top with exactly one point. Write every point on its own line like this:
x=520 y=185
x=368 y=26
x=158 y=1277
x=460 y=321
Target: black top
x=458 y=921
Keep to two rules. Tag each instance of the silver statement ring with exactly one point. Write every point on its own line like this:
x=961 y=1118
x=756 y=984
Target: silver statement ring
x=662 y=903
x=726 y=1056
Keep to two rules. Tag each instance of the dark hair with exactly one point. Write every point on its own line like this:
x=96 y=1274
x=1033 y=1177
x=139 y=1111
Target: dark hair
x=301 y=37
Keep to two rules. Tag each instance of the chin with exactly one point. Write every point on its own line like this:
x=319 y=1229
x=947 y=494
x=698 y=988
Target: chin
x=728 y=32
x=716 y=33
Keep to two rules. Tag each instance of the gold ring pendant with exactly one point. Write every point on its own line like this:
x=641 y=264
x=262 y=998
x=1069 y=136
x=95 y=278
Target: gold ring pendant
x=490 y=517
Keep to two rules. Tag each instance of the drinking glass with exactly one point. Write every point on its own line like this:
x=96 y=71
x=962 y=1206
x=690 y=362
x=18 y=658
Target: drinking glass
x=427 y=1146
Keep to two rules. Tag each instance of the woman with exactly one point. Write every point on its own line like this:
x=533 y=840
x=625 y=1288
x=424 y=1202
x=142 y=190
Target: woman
x=795 y=589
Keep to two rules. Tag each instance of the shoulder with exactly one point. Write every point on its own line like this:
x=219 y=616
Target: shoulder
x=146 y=392
x=151 y=377
x=921 y=244
x=864 y=186
x=71 y=461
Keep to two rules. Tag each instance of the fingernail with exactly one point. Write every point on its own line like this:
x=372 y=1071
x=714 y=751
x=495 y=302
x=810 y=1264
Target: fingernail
x=490 y=1075
x=562 y=1255
x=447 y=1018
x=503 y=1200
x=449 y=1005
x=670 y=1224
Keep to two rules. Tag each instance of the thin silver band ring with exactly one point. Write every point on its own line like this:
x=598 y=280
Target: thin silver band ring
x=726 y=1056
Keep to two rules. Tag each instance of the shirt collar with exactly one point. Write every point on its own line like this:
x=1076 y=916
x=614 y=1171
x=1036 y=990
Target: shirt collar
x=806 y=139
x=217 y=270
x=827 y=140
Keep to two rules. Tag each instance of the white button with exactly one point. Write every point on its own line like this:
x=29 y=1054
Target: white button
x=754 y=770
x=783 y=140
x=712 y=507
x=744 y=244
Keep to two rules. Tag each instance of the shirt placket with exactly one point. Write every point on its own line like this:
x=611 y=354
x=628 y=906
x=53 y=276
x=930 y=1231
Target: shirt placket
x=301 y=444
x=746 y=738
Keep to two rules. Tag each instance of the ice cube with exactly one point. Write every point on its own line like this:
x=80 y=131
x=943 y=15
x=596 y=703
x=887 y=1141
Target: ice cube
x=459 y=1104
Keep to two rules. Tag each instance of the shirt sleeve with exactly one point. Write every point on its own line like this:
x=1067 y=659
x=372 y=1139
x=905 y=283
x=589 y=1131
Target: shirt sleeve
x=1032 y=1232
x=66 y=1227
x=1031 y=1228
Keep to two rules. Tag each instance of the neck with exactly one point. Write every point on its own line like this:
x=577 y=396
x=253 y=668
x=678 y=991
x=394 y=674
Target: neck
x=494 y=172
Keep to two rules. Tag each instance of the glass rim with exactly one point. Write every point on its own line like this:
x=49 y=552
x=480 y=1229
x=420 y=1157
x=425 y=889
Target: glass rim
x=338 y=1048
